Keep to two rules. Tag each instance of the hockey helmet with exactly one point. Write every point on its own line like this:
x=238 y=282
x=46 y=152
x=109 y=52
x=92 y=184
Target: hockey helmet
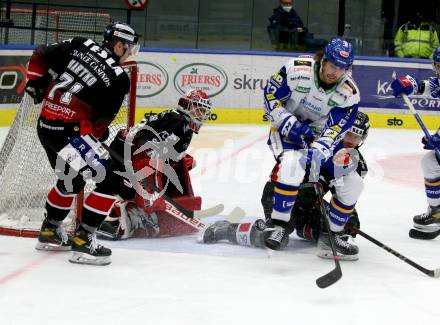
x=198 y=106
x=361 y=126
x=118 y=31
x=339 y=52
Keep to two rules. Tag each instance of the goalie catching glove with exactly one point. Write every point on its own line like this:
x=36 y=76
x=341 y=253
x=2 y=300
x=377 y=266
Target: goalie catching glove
x=128 y=220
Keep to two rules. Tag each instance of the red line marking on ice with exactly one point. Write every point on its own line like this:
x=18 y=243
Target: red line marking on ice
x=14 y=274
x=236 y=152
x=40 y=260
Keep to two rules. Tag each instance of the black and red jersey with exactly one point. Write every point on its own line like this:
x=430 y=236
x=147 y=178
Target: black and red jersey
x=90 y=85
x=167 y=130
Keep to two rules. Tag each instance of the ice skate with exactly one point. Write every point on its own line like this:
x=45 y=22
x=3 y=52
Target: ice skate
x=278 y=238
x=87 y=251
x=53 y=238
x=428 y=221
x=345 y=247
x=215 y=232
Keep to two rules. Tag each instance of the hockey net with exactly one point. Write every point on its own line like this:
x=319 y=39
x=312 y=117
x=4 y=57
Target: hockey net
x=25 y=173
x=52 y=26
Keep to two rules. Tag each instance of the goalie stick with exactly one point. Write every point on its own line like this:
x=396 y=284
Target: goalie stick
x=432 y=273
x=334 y=275
x=418 y=234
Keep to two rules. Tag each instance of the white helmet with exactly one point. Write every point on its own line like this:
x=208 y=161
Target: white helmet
x=198 y=106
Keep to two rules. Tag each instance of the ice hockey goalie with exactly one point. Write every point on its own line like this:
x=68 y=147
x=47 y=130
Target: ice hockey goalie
x=157 y=147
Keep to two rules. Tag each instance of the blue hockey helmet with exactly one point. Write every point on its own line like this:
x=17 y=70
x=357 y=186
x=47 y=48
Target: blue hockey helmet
x=339 y=52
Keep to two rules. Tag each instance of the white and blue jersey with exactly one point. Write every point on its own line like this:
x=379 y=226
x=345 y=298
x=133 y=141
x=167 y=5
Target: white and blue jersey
x=294 y=93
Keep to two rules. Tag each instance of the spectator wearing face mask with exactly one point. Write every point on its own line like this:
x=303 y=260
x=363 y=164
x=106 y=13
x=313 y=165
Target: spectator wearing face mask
x=286 y=17
x=287 y=31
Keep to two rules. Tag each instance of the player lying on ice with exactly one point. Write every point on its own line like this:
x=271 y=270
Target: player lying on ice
x=157 y=146
x=306 y=216
x=430 y=220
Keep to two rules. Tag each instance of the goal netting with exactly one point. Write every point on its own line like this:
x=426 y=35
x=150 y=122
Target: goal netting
x=25 y=173
x=50 y=26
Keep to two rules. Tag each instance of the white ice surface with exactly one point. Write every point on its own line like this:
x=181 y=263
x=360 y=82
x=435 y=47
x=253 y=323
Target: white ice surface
x=178 y=281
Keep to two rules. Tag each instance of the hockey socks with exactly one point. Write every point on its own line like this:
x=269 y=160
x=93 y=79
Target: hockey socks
x=284 y=197
x=432 y=189
x=339 y=214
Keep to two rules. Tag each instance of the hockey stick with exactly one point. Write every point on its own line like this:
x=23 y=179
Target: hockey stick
x=432 y=273
x=419 y=120
x=419 y=234
x=172 y=206
x=334 y=275
x=235 y=215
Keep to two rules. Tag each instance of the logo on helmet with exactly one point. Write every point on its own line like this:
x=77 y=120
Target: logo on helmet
x=344 y=54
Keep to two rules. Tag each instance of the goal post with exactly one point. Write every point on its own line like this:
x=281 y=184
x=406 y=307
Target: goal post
x=25 y=173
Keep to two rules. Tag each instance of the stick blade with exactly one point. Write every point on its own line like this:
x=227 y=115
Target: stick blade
x=418 y=234
x=436 y=273
x=330 y=278
x=236 y=214
x=213 y=211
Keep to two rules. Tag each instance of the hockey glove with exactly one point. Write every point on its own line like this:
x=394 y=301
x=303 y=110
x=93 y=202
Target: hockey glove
x=353 y=221
x=434 y=87
x=408 y=85
x=37 y=88
x=316 y=157
x=141 y=224
x=296 y=132
x=433 y=144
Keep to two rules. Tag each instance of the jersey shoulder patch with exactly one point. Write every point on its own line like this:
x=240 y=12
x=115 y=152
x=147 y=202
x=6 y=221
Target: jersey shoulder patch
x=300 y=69
x=302 y=62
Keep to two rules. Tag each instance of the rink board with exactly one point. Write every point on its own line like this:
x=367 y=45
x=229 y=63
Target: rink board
x=235 y=82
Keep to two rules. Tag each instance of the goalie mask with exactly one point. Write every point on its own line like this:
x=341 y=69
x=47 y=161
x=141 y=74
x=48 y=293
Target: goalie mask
x=197 y=105
x=124 y=33
x=358 y=132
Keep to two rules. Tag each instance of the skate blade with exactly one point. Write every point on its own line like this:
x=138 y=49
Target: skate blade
x=427 y=228
x=49 y=247
x=329 y=255
x=84 y=258
x=270 y=252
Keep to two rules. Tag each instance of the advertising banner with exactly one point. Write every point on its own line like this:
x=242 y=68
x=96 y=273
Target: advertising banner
x=234 y=82
x=12 y=79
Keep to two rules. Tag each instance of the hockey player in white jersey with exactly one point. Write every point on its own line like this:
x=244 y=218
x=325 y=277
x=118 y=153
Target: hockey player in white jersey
x=430 y=220
x=311 y=103
x=306 y=216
